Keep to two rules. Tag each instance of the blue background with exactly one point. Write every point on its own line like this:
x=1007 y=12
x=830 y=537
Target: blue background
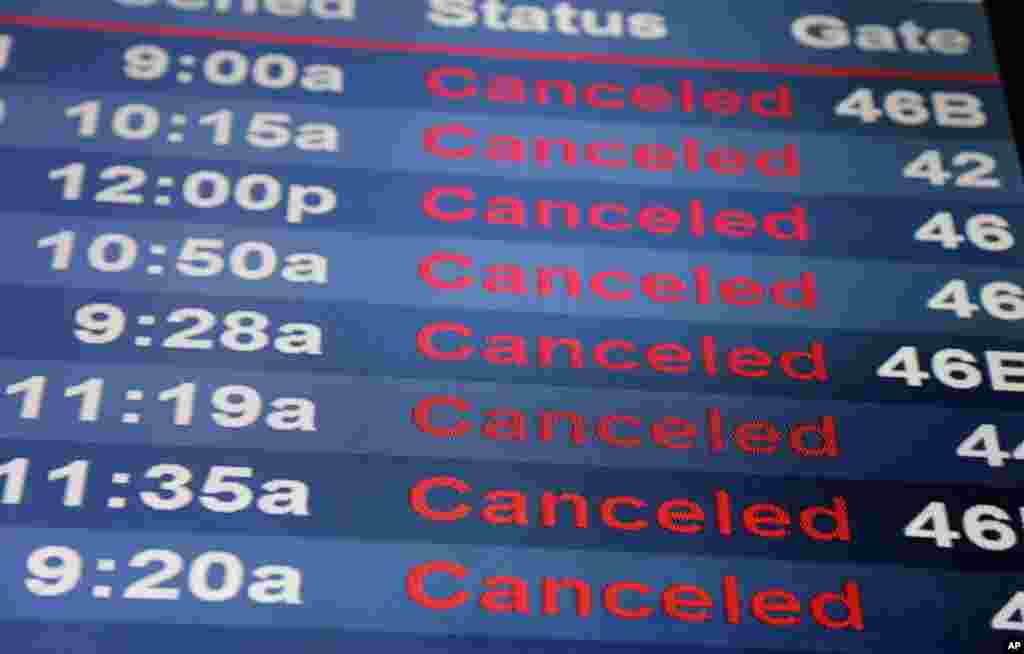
x=897 y=443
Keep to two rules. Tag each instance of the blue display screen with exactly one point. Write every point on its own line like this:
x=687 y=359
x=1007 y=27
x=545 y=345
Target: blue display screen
x=484 y=325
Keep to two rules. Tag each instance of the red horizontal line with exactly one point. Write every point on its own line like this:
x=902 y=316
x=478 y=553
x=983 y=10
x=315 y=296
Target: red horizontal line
x=519 y=54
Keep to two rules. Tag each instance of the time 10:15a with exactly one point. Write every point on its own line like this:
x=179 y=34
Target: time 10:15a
x=263 y=130
x=234 y=406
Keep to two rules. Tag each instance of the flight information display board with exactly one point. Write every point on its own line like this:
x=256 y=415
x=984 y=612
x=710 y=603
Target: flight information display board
x=534 y=326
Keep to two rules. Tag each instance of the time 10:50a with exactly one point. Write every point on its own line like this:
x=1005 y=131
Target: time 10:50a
x=198 y=257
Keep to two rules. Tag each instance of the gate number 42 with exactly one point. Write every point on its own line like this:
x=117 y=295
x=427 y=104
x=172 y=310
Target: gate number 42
x=975 y=169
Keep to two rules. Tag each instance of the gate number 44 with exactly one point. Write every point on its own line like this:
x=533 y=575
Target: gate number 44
x=1011 y=616
x=6 y=43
